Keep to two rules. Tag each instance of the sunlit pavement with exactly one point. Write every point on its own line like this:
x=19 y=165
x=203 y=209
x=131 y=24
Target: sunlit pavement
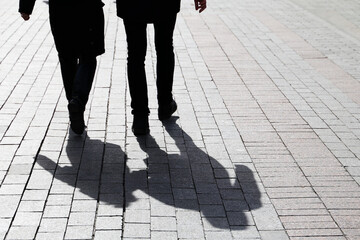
x=264 y=144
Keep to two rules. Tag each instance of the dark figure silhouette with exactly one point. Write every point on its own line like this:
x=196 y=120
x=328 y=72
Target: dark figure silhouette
x=187 y=181
x=136 y=16
x=78 y=31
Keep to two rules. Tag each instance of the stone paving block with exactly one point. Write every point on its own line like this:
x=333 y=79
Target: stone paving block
x=84 y=206
x=269 y=235
x=137 y=216
x=9 y=205
x=35 y=195
x=162 y=210
x=249 y=232
x=187 y=217
x=163 y=224
x=240 y=218
x=109 y=223
x=266 y=218
x=13 y=189
x=59 y=200
x=218 y=235
x=182 y=193
x=314 y=232
x=212 y=211
x=4 y=225
x=20 y=169
x=190 y=231
x=79 y=232
x=164 y=235
x=81 y=219
x=53 y=225
x=215 y=224
x=47 y=235
x=107 y=235
x=109 y=210
x=319 y=238
x=27 y=219
x=57 y=211
x=61 y=189
x=137 y=231
x=22 y=232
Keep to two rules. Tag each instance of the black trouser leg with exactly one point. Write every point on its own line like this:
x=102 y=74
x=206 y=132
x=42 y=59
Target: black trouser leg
x=137 y=44
x=68 y=66
x=78 y=75
x=84 y=78
x=165 y=59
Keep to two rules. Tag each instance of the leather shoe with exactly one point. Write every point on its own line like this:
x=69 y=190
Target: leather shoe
x=165 y=112
x=140 y=125
x=76 y=112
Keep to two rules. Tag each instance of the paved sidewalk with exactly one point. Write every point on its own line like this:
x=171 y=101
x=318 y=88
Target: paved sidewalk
x=265 y=143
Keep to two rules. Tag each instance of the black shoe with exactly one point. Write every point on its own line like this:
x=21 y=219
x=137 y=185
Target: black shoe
x=76 y=112
x=140 y=125
x=165 y=112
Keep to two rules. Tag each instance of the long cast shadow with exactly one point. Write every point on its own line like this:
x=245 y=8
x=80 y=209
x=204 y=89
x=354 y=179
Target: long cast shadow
x=190 y=180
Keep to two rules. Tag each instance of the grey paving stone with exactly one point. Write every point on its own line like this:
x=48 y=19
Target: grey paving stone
x=48 y=235
x=218 y=235
x=266 y=218
x=84 y=206
x=109 y=210
x=57 y=211
x=190 y=231
x=59 y=200
x=137 y=216
x=136 y=230
x=27 y=219
x=247 y=232
x=212 y=211
x=81 y=219
x=4 y=226
x=35 y=195
x=162 y=210
x=109 y=223
x=53 y=225
x=163 y=224
x=108 y=235
x=268 y=235
x=22 y=232
x=79 y=232
x=12 y=189
x=9 y=205
x=164 y=235
x=215 y=224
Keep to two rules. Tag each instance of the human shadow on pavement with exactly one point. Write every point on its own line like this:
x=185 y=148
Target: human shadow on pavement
x=188 y=179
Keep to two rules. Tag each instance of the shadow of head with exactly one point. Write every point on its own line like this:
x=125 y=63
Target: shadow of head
x=186 y=179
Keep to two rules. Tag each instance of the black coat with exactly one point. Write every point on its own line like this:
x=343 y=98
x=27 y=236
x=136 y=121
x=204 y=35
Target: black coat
x=147 y=10
x=77 y=25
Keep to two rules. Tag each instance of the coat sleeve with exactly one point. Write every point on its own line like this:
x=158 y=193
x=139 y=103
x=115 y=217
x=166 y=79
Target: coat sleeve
x=26 y=6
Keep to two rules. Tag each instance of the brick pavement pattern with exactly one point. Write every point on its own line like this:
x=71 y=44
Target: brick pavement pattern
x=265 y=143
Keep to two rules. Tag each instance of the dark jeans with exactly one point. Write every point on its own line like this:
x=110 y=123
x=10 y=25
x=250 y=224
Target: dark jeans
x=78 y=75
x=137 y=44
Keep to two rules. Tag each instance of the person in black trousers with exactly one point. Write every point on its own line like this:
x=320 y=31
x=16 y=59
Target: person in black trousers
x=78 y=30
x=136 y=16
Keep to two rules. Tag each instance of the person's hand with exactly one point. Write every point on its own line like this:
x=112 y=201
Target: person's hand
x=25 y=16
x=200 y=5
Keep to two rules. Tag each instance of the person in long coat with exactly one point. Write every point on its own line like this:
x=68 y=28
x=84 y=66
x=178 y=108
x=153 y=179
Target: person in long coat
x=136 y=15
x=78 y=30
